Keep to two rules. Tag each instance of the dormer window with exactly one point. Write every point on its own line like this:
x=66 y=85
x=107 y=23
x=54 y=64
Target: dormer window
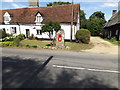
x=39 y=18
x=7 y=18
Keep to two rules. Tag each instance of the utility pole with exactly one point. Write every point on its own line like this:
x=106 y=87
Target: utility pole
x=72 y=20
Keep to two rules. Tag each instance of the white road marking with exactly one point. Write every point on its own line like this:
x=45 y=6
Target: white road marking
x=78 y=68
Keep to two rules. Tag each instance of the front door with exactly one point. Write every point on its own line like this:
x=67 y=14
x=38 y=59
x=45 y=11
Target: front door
x=27 y=33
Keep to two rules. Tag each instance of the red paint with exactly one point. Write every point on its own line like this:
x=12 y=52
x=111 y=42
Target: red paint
x=59 y=37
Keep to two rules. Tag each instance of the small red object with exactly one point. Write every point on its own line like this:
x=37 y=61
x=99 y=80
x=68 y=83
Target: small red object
x=59 y=37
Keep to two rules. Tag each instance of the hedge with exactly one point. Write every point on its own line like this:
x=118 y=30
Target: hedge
x=83 y=36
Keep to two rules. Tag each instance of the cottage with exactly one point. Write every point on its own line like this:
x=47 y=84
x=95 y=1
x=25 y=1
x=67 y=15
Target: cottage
x=112 y=27
x=29 y=21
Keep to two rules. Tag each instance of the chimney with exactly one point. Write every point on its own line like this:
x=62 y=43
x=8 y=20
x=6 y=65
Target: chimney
x=33 y=3
x=114 y=12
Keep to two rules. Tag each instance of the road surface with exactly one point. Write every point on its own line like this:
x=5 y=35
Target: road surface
x=49 y=68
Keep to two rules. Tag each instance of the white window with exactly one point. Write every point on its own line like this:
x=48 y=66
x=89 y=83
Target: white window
x=39 y=32
x=7 y=18
x=39 y=18
x=13 y=30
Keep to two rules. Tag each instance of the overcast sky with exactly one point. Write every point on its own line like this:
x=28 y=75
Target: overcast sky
x=89 y=6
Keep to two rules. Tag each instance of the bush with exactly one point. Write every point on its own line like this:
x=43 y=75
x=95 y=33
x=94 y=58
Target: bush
x=9 y=38
x=2 y=34
x=83 y=36
x=6 y=44
x=30 y=37
x=34 y=46
x=21 y=36
x=16 y=42
x=28 y=46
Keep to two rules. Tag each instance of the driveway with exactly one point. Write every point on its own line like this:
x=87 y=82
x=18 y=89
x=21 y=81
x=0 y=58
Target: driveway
x=102 y=46
x=58 y=69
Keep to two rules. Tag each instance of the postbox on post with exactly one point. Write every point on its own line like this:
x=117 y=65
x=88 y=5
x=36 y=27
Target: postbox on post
x=60 y=35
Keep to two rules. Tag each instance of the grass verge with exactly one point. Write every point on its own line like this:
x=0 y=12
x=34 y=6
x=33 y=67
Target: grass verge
x=35 y=44
x=113 y=41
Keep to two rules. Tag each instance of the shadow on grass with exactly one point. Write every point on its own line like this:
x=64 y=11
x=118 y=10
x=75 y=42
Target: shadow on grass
x=28 y=73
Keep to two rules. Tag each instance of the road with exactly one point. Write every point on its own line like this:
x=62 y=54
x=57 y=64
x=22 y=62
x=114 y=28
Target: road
x=55 y=68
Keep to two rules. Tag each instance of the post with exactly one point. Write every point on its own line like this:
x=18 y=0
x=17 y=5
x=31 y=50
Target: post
x=72 y=21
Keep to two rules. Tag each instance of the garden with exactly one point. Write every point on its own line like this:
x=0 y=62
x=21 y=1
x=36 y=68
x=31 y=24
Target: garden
x=20 y=41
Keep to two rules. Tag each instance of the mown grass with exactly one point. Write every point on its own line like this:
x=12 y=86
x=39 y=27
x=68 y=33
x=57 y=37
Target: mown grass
x=72 y=46
x=78 y=46
x=35 y=42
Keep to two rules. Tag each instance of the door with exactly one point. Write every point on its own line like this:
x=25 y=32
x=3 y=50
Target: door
x=27 y=33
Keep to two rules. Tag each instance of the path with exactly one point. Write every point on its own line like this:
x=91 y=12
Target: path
x=102 y=46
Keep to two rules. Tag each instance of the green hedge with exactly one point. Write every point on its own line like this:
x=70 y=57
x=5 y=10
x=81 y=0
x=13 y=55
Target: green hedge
x=83 y=36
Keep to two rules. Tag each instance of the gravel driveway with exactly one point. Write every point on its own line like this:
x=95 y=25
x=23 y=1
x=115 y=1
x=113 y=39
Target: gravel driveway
x=102 y=46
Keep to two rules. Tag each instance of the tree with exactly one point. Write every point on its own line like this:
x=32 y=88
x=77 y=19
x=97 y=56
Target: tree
x=58 y=3
x=50 y=27
x=95 y=23
x=83 y=19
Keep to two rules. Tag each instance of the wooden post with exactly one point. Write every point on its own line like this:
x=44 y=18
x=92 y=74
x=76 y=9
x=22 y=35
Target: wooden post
x=72 y=21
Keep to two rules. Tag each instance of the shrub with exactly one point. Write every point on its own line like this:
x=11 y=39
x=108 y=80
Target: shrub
x=30 y=37
x=6 y=44
x=21 y=36
x=2 y=34
x=36 y=38
x=16 y=42
x=34 y=46
x=28 y=46
x=83 y=36
x=9 y=38
x=113 y=39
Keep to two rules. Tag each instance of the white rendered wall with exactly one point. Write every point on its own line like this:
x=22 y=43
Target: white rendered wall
x=33 y=30
x=8 y=29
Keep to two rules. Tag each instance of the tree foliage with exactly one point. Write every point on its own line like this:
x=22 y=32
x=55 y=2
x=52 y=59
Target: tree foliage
x=83 y=19
x=58 y=3
x=95 y=23
x=50 y=27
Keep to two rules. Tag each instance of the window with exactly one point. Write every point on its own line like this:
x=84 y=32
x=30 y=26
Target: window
x=7 y=18
x=13 y=29
x=39 y=18
x=39 y=32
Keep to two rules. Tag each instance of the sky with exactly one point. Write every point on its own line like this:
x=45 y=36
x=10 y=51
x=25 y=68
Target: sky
x=89 y=6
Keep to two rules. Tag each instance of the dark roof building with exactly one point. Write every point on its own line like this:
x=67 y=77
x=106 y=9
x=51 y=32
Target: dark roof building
x=112 y=27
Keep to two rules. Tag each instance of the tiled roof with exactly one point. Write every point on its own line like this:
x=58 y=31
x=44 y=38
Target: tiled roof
x=115 y=19
x=60 y=13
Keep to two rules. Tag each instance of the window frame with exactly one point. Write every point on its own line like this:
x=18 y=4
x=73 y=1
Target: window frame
x=39 y=32
x=13 y=30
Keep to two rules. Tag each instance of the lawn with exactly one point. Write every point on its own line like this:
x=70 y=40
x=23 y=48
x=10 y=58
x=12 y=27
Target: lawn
x=35 y=42
x=77 y=47
x=72 y=46
x=46 y=44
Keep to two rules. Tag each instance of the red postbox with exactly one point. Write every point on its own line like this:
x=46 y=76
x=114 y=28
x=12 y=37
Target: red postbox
x=59 y=37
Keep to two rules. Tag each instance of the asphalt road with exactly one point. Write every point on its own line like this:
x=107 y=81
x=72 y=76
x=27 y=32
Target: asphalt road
x=51 y=68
